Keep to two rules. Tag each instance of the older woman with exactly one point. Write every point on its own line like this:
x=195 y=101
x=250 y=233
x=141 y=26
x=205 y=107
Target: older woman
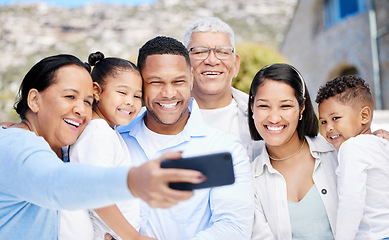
x=54 y=106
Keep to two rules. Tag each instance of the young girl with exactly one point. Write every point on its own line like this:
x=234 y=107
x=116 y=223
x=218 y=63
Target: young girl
x=117 y=92
x=295 y=181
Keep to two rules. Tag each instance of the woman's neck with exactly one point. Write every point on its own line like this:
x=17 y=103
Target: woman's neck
x=27 y=124
x=286 y=150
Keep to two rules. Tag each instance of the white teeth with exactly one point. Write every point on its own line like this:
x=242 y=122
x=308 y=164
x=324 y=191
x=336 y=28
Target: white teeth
x=275 y=128
x=336 y=136
x=74 y=123
x=168 y=105
x=211 y=73
x=124 y=111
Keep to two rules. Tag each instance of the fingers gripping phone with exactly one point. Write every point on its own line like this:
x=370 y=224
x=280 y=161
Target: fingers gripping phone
x=217 y=167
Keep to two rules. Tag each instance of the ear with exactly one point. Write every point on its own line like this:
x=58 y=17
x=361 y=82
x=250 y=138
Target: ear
x=96 y=91
x=303 y=108
x=33 y=100
x=236 y=65
x=365 y=115
x=191 y=78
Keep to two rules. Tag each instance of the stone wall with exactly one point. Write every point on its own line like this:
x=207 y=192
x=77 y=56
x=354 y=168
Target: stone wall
x=321 y=54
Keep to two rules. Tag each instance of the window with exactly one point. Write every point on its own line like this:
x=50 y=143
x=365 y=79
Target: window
x=337 y=10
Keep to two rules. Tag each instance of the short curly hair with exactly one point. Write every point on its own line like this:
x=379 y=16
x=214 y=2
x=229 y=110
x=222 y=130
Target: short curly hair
x=350 y=90
x=162 y=45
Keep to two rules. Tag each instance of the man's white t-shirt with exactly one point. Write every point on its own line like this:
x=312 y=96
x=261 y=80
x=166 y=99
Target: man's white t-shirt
x=155 y=140
x=225 y=118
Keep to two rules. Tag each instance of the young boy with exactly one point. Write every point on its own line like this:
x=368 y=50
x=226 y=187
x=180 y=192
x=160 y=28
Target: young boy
x=345 y=112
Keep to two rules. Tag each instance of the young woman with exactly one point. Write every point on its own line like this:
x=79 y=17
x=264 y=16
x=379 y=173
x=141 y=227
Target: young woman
x=294 y=177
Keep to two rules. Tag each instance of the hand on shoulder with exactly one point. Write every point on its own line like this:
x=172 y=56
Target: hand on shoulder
x=382 y=133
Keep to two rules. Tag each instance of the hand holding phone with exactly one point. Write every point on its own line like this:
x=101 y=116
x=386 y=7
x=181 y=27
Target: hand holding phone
x=217 y=167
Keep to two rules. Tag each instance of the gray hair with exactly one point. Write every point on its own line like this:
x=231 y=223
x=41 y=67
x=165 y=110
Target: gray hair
x=206 y=24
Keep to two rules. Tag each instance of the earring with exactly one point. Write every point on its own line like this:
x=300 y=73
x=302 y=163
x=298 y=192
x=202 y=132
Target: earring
x=301 y=117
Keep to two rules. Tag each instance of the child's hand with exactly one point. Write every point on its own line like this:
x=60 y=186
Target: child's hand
x=382 y=133
x=7 y=124
x=108 y=237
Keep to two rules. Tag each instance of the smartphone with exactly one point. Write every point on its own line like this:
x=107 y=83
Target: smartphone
x=217 y=167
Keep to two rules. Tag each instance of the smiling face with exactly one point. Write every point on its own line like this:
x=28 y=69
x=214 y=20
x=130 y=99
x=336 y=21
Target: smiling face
x=339 y=121
x=64 y=108
x=120 y=99
x=167 y=82
x=213 y=76
x=276 y=113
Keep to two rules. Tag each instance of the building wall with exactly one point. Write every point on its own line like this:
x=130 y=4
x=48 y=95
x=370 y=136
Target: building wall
x=321 y=54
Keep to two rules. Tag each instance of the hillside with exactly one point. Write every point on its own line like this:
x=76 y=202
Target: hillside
x=29 y=32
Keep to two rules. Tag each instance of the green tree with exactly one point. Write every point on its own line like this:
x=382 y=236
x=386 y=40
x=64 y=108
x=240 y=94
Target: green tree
x=253 y=56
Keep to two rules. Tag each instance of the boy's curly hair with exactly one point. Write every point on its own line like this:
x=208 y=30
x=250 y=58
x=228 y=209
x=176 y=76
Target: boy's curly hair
x=350 y=89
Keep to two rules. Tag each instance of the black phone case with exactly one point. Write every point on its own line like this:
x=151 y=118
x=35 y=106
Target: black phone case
x=217 y=167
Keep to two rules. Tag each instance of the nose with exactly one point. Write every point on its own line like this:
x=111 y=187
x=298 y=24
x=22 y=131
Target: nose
x=211 y=59
x=82 y=109
x=130 y=101
x=168 y=91
x=326 y=129
x=274 y=116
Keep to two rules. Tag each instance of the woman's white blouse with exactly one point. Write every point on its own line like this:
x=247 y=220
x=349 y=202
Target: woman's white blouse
x=271 y=219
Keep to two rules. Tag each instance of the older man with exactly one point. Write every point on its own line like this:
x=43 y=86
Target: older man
x=211 y=46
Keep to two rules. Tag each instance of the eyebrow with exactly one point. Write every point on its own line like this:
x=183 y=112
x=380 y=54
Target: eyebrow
x=123 y=86
x=180 y=77
x=265 y=100
x=77 y=92
x=152 y=78
x=331 y=114
x=159 y=78
x=71 y=90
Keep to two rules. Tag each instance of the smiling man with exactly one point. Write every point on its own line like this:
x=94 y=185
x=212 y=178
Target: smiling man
x=211 y=46
x=172 y=121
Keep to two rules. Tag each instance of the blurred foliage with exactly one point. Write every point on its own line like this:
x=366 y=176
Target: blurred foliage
x=253 y=56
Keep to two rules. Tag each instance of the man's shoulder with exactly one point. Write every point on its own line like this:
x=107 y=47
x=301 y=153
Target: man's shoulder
x=238 y=94
x=241 y=99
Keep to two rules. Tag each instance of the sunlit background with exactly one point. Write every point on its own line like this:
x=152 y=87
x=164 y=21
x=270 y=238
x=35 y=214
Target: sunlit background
x=79 y=3
x=321 y=38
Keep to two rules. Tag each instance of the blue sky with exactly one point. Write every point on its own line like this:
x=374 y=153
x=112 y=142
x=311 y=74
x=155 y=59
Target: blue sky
x=76 y=3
